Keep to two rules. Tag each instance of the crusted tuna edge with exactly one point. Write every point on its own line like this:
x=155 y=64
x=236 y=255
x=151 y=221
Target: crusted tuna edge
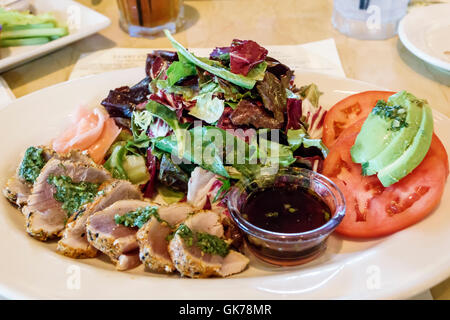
x=146 y=254
x=188 y=265
x=41 y=234
x=105 y=244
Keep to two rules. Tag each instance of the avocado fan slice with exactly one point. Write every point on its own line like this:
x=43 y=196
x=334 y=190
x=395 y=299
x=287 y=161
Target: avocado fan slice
x=401 y=139
x=412 y=156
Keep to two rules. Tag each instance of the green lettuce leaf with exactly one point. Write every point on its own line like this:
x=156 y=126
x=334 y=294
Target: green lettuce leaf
x=258 y=71
x=170 y=117
x=187 y=92
x=312 y=93
x=299 y=137
x=237 y=79
x=198 y=147
x=179 y=70
x=169 y=195
x=208 y=108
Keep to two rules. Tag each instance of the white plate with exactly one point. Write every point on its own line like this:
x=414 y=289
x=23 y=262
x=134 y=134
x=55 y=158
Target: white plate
x=81 y=20
x=398 y=266
x=426 y=33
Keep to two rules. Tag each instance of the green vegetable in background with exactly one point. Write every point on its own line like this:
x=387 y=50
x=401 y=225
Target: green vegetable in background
x=11 y=18
x=237 y=79
x=32 y=164
x=23 y=28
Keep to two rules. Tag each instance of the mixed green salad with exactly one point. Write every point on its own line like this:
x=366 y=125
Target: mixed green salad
x=187 y=107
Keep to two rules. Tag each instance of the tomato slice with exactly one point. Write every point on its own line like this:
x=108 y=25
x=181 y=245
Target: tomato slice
x=348 y=111
x=373 y=210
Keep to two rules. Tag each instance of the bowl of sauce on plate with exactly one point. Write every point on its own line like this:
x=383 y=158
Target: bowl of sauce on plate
x=286 y=217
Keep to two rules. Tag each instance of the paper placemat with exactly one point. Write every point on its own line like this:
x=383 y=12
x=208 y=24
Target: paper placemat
x=319 y=56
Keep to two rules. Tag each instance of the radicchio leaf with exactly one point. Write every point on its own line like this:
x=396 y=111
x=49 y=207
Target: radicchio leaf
x=294 y=113
x=152 y=166
x=221 y=54
x=122 y=101
x=158 y=128
x=244 y=55
x=313 y=118
x=157 y=63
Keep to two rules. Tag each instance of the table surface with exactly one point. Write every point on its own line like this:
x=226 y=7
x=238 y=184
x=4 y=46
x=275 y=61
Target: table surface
x=215 y=22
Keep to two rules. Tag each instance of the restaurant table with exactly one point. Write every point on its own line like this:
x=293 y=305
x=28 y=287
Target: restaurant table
x=269 y=22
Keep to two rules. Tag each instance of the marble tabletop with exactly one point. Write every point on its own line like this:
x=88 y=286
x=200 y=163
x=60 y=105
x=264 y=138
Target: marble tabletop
x=384 y=63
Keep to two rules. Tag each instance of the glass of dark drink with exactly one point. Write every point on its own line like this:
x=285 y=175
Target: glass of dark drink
x=146 y=18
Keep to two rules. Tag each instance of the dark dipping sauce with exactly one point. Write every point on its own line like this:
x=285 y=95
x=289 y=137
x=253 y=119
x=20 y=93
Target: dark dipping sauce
x=286 y=210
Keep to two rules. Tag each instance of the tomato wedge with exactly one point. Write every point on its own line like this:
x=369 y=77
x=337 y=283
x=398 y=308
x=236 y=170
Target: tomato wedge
x=373 y=210
x=348 y=111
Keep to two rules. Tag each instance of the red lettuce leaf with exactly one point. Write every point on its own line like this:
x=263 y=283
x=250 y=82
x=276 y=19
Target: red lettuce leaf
x=121 y=102
x=273 y=95
x=152 y=166
x=249 y=113
x=157 y=63
x=244 y=55
x=294 y=114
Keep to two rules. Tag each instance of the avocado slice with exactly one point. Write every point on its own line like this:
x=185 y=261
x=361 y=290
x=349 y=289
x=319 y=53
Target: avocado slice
x=399 y=140
x=373 y=138
x=415 y=153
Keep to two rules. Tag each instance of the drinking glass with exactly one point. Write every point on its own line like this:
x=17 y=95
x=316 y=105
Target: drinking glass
x=146 y=18
x=368 y=19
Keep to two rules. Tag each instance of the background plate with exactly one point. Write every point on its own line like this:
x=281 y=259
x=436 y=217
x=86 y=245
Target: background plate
x=426 y=33
x=398 y=266
x=87 y=22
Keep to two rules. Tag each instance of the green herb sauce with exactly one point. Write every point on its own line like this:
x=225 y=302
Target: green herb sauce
x=72 y=194
x=138 y=217
x=206 y=242
x=396 y=114
x=32 y=164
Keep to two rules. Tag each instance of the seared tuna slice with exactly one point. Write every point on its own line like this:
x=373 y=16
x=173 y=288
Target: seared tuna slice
x=74 y=241
x=153 y=236
x=46 y=217
x=189 y=258
x=115 y=240
x=18 y=189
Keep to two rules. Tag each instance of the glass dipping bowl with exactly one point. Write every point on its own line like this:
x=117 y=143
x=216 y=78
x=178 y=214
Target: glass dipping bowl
x=287 y=249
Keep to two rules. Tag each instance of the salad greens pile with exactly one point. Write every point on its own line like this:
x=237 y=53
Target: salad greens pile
x=234 y=113
x=23 y=28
